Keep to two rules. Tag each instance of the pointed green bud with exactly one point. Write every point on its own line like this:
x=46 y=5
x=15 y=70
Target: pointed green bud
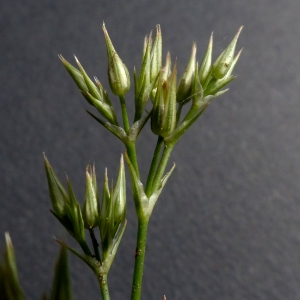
x=197 y=90
x=118 y=75
x=73 y=220
x=119 y=197
x=75 y=74
x=61 y=287
x=185 y=83
x=156 y=55
x=90 y=84
x=206 y=62
x=105 y=212
x=163 y=119
x=90 y=205
x=12 y=286
x=58 y=195
x=144 y=77
x=222 y=64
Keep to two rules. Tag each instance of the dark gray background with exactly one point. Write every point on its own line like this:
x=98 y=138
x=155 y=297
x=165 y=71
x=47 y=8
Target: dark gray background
x=227 y=226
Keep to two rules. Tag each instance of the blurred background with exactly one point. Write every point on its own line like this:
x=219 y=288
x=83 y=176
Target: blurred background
x=227 y=225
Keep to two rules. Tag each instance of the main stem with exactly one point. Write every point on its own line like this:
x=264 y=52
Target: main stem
x=154 y=165
x=104 y=287
x=124 y=114
x=131 y=151
x=162 y=166
x=139 y=259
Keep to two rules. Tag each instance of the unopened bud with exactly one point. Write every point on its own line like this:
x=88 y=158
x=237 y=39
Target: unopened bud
x=90 y=205
x=185 y=83
x=156 y=55
x=118 y=75
x=206 y=62
x=222 y=64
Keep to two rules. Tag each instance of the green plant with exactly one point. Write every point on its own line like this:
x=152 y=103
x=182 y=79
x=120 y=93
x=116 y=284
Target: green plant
x=106 y=210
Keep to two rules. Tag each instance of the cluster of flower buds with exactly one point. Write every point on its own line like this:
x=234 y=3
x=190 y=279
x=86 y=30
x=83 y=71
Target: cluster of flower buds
x=200 y=84
x=92 y=92
x=109 y=214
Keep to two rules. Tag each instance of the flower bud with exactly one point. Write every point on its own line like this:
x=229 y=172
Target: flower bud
x=90 y=205
x=9 y=285
x=206 y=62
x=105 y=212
x=163 y=119
x=58 y=195
x=119 y=197
x=222 y=64
x=118 y=75
x=156 y=55
x=216 y=85
x=185 y=83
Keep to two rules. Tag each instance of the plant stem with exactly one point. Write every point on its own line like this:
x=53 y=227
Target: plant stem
x=131 y=151
x=124 y=114
x=154 y=163
x=162 y=166
x=95 y=244
x=139 y=259
x=104 y=287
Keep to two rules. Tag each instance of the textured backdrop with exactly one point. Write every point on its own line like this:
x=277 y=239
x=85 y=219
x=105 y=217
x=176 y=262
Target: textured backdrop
x=227 y=225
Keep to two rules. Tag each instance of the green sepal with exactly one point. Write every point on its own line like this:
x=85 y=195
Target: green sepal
x=143 y=97
x=105 y=212
x=186 y=81
x=61 y=287
x=58 y=194
x=119 y=197
x=10 y=285
x=157 y=116
x=170 y=106
x=197 y=90
x=75 y=74
x=221 y=65
x=144 y=75
x=205 y=65
x=90 y=84
x=90 y=206
x=156 y=55
x=167 y=67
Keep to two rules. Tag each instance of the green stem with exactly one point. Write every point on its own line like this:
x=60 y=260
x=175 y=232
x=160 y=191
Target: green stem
x=95 y=244
x=154 y=164
x=162 y=166
x=131 y=151
x=104 y=287
x=124 y=114
x=139 y=259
